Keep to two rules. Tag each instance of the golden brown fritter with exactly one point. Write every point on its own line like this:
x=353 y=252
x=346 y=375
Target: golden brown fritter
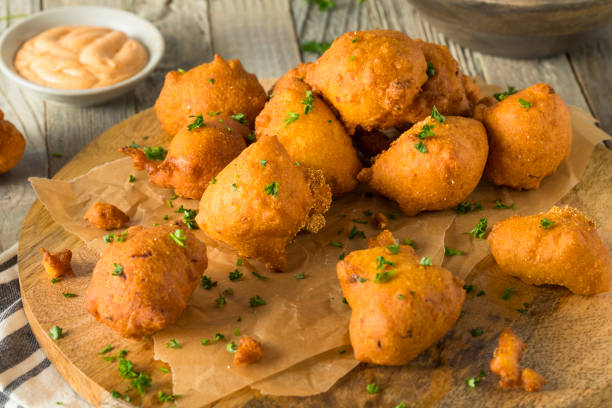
x=195 y=155
x=142 y=284
x=432 y=166
x=399 y=306
x=530 y=134
x=261 y=200
x=106 y=216
x=311 y=134
x=12 y=145
x=370 y=77
x=219 y=86
x=385 y=237
x=286 y=81
x=445 y=87
x=249 y=351
x=559 y=247
x=57 y=264
x=506 y=363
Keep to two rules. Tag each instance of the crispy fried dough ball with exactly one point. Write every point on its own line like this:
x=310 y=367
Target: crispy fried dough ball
x=141 y=285
x=57 y=264
x=195 y=156
x=12 y=145
x=445 y=87
x=220 y=86
x=506 y=363
x=530 y=134
x=399 y=307
x=370 y=77
x=435 y=173
x=106 y=216
x=249 y=351
x=286 y=81
x=261 y=200
x=569 y=252
x=316 y=139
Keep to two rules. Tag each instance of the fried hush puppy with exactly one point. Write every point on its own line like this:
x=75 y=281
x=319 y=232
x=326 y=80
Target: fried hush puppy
x=106 y=216
x=370 y=77
x=57 y=264
x=196 y=154
x=506 y=363
x=311 y=134
x=141 y=285
x=400 y=306
x=261 y=200
x=434 y=165
x=445 y=87
x=249 y=351
x=219 y=86
x=559 y=247
x=12 y=145
x=530 y=134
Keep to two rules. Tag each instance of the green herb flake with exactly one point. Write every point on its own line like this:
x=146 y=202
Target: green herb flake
x=316 y=47
x=507 y=293
x=173 y=343
x=300 y=276
x=308 y=101
x=118 y=271
x=468 y=288
x=219 y=337
x=499 y=204
x=213 y=181
x=134 y=145
x=410 y=242
x=256 y=301
x=425 y=261
x=207 y=283
x=437 y=116
x=452 y=252
x=211 y=80
x=155 y=153
x=205 y=342
x=258 y=276
x=291 y=117
x=69 y=295
x=231 y=347
x=198 y=122
x=383 y=277
x=394 y=249
x=56 y=154
x=263 y=163
x=524 y=309
x=473 y=381
x=372 y=388
x=240 y=117
x=546 y=223
x=178 y=236
x=356 y=233
x=220 y=301
x=235 y=275
x=381 y=262
x=341 y=256
x=358 y=221
x=106 y=349
x=164 y=370
x=476 y=332
x=481 y=293
x=525 y=104
x=163 y=397
x=181 y=70
x=466 y=207
x=56 y=332
x=336 y=244
x=480 y=230
x=272 y=189
x=401 y=297
x=502 y=95
x=430 y=71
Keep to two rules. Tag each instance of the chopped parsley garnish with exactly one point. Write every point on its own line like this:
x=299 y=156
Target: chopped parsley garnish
x=372 y=388
x=401 y=405
x=263 y=163
x=163 y=397
x=476 y=332
x=300 y=276
x=410 y=242
x=381 y=262
x=56 y=332
x=481 y=293
x=426 y=131
x=394 y=249
x=139 y=380
x=502 y=95
x=231 y=347
x=220 y=301
x=205 y=342
x=468 y=288
x=362 y=280
x=207 y=283
x=251 y=137
x=480 y=230
x=118 y=271
x=291 y=117
x=272 y=189
x=524 y=309
x=164 y=370
x=122 y=353
x=197 y=123
x=344 y=300
x=238 y=261
x=181 y=70
x=155 y=153
x=507 y=293
x=106 y=349
x=392 y=216
x=354 y=40
x=228 y=292
x=368 y=213
x=173 y=343
x=211 y=80
x=356 y=233
x=401 y=297
x=134 y=145
x=500 y=204
x=236 y=331
x=385 y=276
x=437 y=115
x=307 y=102
x=358 y=221
x=219 y=337
x=69 y=295
x=425 y=261
x=546 y=223
x=452 y=252
x=234 y=186
x=525 y=104
x=466 y=207
x=213 y=181
x=472 y=381
x=258 y=276
x=342 y=351
x=341 y=256
x=240 y=117
x=56 y=154
x=256 y=301
x=131 y=179
x=179 y=237
x=421 y=147
x=430 y=69
x=235 y=275
x=336 y=244
x=323 y=4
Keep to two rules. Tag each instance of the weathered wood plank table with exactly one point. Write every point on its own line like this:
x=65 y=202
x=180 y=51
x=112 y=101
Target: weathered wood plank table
x=266 y=36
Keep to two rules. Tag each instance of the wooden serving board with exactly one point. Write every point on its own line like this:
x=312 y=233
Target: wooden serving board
x=430 y=380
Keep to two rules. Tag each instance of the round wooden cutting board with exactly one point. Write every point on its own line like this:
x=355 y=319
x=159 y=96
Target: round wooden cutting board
x=76 y=357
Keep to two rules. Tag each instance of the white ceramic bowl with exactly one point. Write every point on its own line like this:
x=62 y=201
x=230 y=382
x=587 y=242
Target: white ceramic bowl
x=134 y=26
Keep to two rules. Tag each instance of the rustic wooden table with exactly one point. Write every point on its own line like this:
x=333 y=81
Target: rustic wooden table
x=266 y=36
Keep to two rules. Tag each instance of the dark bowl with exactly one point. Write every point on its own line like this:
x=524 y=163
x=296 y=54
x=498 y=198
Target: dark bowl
x=519 y=28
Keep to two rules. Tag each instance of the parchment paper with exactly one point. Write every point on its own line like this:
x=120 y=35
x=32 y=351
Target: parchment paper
x=304 y=322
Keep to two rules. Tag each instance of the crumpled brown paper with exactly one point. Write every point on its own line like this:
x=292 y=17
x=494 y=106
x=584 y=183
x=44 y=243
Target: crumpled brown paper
x=303 y=319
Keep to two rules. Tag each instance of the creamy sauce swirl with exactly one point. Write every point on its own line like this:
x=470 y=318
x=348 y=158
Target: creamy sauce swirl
x=80 y=57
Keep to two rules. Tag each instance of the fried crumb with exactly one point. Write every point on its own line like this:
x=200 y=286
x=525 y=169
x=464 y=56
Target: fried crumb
x=506 y=364
x=380 y=221
x=321 y=193
x=249 y=351
x=106 y=216
x=57 y=264
x=383 y=238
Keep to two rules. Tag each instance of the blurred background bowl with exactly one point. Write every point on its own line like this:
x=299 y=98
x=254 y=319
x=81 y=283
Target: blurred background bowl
x=519 y=28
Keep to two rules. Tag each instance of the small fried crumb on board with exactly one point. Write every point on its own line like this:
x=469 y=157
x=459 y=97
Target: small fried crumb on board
x=380 y=221
x=106 y=216
x=506 y=363
x=57 y=264
x=249 y=351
